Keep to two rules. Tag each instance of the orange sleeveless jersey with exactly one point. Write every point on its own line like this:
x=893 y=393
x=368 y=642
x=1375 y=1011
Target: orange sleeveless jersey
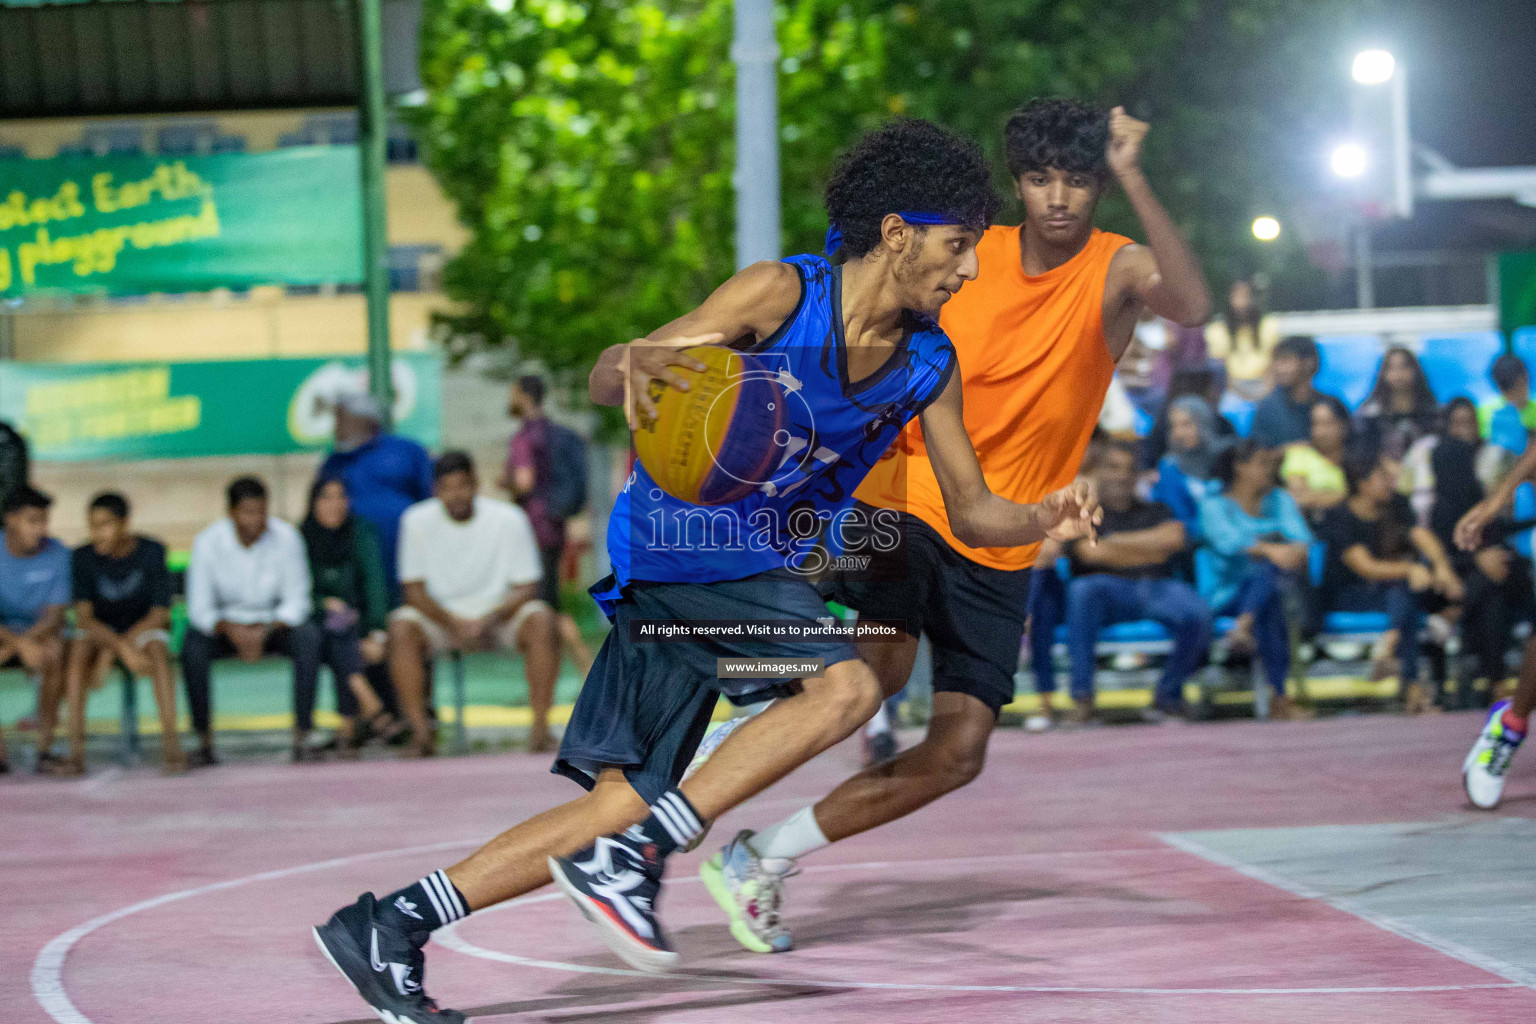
x=1034 y=367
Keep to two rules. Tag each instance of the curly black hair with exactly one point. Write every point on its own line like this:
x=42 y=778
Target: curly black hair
x=1060 y=134
x=911 y=165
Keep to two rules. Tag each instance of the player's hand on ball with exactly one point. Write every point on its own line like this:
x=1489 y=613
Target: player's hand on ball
x=1125 y=137
x=1073 y=513
x=646 y=362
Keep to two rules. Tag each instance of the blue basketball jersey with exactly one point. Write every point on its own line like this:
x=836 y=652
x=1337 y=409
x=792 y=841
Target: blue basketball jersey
x=834 y=431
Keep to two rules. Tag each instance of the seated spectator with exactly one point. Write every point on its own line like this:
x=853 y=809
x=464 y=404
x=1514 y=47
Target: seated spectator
x=1184 y=474
x=385 y=474
x=1256 y=539
x=1400 y=409
x=1047 y=611
x=1459 y=421
x=1314 y=472
x=1244 y=338
x=34 y=590
x=469 y=567
x=1130 y=574
x=1514 y=383
x=122 y=614
x=1204 y=384
x=1284 y=416
x=1380 y=560
x=1497 y=586
x=248 y=594
x=351 y=608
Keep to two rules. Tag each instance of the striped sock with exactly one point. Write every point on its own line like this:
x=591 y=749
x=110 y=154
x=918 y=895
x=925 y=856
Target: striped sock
x=673 y=823
x=425 y=905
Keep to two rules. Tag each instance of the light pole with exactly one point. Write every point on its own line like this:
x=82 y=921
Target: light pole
x=372 y=118
x=756 y=53
x=1383 y=189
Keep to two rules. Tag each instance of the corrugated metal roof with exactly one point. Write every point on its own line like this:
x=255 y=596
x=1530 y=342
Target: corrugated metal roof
x=150 y=56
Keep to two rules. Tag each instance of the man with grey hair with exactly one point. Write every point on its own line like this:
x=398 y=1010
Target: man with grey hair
x=384 y=473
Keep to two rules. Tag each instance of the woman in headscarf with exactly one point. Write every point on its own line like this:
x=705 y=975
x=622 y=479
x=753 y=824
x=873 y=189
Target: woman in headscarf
x=1496 y=584
x=1184 y=475
x=351 y=606
x=1203 y=383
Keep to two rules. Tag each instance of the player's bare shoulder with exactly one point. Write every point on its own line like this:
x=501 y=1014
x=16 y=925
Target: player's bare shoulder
x=763 y=295
x=1132 y=272
x=1130 y=269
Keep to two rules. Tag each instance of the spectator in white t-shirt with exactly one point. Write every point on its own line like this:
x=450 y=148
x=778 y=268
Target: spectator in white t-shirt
x=470 y=572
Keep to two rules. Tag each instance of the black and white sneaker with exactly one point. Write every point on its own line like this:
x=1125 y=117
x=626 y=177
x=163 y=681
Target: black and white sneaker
x=383 y=964
x=614 y=883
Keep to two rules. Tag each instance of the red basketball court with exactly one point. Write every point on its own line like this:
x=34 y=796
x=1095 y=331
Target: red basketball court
x=1226 y=873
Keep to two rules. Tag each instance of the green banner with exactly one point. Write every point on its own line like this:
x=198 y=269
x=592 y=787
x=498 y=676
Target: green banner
x=76 y=411
x=138 y=224
x=1517 y=290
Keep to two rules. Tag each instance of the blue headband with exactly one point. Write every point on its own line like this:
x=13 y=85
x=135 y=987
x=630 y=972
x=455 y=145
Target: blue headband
x=835 y=235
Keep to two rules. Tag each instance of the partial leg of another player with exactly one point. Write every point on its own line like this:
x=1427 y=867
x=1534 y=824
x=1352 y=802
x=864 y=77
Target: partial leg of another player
x=747 y=876
x=616 y=881
x=1508 y=721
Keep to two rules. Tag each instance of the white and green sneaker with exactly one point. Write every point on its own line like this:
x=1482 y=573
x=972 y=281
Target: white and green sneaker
x=750 y=895
x=1483 y=772
x=717 y=735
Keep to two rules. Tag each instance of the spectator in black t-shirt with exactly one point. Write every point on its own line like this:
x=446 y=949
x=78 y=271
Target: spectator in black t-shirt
x=1130 y=574
x=1379 y=559
x=122 y=595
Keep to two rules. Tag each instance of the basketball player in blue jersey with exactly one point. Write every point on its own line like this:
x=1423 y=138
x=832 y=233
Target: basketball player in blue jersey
x=861 y=345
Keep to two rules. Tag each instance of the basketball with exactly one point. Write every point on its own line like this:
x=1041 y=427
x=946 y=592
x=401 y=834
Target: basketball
x=716 y=442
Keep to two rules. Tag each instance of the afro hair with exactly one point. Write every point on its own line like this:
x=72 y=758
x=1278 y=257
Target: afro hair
x=1059 y=134
x=909 y=165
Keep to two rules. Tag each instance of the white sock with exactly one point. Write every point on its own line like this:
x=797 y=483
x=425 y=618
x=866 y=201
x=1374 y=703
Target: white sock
x=879 y=724
x=778 y=846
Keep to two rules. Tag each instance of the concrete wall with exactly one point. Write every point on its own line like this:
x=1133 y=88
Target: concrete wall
x=263 y=323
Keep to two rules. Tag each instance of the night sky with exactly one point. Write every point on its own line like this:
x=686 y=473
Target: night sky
x=1472 y=98
x=1472 y=76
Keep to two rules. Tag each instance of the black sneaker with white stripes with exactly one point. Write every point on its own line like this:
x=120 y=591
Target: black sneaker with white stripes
x=614 y=883
x=383 y=963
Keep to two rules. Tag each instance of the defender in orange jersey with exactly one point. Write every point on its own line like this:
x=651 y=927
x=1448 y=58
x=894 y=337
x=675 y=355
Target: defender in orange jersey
x=1037 y=335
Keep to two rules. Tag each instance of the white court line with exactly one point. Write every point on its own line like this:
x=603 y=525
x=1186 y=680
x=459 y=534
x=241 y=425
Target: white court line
x=449 y=938
x=48 y=969
x=1455 y=950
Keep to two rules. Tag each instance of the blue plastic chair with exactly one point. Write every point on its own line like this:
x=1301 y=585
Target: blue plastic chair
x=1458 y=365
x=1348 y=367
x=1339 y=626
x=1238 y=411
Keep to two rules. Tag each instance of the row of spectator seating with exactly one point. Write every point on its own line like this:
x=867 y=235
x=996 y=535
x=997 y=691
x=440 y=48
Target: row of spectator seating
x=1147 y=640
x=1455 y=364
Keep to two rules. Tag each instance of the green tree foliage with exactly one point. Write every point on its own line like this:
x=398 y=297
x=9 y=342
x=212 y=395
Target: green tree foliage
x=588 y=143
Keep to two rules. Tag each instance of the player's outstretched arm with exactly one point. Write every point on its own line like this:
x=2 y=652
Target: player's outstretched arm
x=751 y=305
x=1469 y=531
x=1165 y=275
x=979 y=518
